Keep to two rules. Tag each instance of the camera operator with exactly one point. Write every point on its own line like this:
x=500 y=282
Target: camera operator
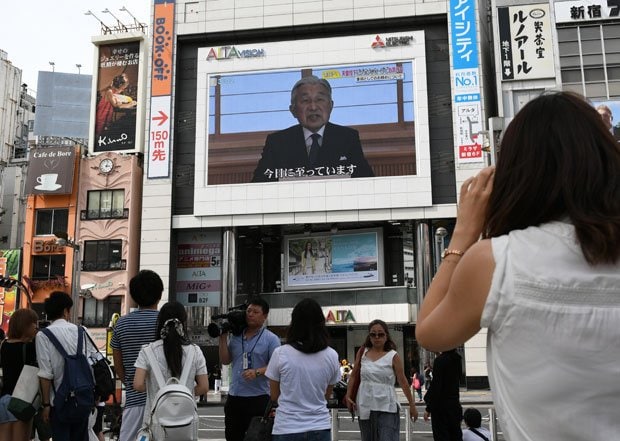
x=249 y=353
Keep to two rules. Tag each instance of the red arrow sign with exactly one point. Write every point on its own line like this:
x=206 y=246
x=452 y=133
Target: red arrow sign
x=162 y=118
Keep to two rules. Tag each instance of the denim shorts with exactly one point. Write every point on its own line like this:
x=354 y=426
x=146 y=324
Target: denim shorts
x=5 y=415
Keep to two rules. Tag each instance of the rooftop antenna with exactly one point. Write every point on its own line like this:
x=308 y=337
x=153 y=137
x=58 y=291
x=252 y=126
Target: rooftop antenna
x=120 y=24
x=104 y=27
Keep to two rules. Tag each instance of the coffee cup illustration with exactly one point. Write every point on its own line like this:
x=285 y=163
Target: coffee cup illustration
x=48 y=181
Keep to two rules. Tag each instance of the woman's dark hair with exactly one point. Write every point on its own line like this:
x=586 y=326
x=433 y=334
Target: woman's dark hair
x=559 y=161
x=306 y=250
x=20 y=321
x=173 y=340
x=307 y=331
x=389 y=343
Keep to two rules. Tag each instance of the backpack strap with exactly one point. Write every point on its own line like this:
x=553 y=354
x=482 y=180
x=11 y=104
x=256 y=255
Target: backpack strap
x=157 y=373
x=478 y=433
x=189 y=362
x=52 y=338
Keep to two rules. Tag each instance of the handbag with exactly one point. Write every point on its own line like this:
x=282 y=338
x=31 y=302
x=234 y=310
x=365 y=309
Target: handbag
x=260 y=426
x=354 y=381
x=144 y=434
x=26 y=398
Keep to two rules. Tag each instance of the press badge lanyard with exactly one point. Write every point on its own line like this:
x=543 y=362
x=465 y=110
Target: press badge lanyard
x=247 y=356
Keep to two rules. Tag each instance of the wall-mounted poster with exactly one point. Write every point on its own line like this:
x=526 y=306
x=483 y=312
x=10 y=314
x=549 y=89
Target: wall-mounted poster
x=348 y=259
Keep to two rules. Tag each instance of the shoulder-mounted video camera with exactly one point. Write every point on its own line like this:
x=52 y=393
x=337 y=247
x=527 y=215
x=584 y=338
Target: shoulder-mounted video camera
x=233 y=321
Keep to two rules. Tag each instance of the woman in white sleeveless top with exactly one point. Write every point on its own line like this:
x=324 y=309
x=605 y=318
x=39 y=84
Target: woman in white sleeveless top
x=545 y=279
x=379 y=366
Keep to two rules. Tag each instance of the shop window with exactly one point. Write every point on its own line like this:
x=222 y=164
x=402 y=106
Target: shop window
x=48 y=221
x=45 y=267
x=103 y=255
x=105 y=204
x=97 y=313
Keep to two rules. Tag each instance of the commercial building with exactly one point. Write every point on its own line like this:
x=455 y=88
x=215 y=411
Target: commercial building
x=408 y=76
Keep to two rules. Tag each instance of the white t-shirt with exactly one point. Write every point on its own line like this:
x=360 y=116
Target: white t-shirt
x=468 y=435
x=303 y=379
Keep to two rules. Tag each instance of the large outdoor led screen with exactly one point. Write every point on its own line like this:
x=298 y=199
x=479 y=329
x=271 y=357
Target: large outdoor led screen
x=376 y=100
x=250 y=129
x=346 y=259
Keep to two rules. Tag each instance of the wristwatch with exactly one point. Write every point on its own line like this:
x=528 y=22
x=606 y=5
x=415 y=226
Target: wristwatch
x=257 y=373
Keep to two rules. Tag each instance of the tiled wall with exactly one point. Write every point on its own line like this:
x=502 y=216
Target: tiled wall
x=233 y=15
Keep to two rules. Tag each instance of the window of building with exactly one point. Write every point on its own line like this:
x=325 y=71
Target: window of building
x=48 y=221
x=97 y=313
x=103 y=204
x=102 y=255
x=45 y=267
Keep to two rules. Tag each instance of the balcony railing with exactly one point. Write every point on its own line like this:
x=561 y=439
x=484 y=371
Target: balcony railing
x=121 y=213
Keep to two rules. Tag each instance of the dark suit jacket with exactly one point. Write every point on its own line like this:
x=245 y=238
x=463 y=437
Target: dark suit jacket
x=286 y=149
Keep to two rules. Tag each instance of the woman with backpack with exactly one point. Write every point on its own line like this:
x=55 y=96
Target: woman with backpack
x=168 y=357
x=301 y=375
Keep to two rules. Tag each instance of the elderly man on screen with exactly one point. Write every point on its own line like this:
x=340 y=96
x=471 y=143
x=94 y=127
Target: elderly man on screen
x=314 y=148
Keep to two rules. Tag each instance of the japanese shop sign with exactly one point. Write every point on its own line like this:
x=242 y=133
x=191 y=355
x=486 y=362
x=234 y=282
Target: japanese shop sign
x=463 y=30
x=199 y=268
x=161 y=90
x=586 y=10
x=526 y=46
x=466 y=80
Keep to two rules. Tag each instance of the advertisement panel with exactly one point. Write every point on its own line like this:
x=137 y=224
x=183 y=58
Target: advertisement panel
x=9 y=267
x=248 y=130
x=50 y=170
x=199 y=268
x=347 y=259
x=117 y=96
x=159 y=141
x=466 y=87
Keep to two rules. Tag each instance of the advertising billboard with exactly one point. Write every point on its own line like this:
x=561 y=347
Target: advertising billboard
x=346 y=259
x=9 y=267
x=51 y=170
x=118 y=82
x=251 y=128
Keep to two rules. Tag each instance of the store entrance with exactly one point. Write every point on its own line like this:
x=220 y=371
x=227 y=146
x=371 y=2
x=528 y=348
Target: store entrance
x=338 y=340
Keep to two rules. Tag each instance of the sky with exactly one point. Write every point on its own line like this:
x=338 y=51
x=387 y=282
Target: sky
x=35 y=32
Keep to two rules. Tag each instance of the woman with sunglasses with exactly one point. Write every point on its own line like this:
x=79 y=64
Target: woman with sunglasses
x=379 y=365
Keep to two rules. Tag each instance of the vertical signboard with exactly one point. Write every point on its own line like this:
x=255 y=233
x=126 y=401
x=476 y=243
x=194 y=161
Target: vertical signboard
x=526 y=46
x=199 y=268
x=161 y=90
x=117 y=97
x=466 y=71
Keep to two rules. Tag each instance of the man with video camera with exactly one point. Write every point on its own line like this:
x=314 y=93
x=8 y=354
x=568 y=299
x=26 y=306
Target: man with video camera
x=249 y=353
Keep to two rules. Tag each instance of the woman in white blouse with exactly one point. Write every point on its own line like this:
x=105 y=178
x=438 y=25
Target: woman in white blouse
x=377 y=406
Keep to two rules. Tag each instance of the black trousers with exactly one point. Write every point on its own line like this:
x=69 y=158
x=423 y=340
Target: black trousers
x=238 y=411
x=446 y=423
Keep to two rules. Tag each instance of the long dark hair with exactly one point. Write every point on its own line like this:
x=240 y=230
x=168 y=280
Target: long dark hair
x=172 y=316
x=307 y=331
x=389 y=343
x=558 y=160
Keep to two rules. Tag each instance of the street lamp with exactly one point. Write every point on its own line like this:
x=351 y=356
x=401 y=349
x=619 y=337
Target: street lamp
x=53 y=65
x=63 y=240
x=79 y=66
x=440 y=245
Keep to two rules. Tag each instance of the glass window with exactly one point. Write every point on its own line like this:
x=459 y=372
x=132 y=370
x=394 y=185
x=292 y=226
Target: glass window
x=45 y=267
x=97 y=313
x=48 y=221
x=590 y=33
x=103 y=204
x=102 y=255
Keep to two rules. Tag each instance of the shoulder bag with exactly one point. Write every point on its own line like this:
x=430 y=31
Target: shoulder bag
x=26 y=398
x=260 y=426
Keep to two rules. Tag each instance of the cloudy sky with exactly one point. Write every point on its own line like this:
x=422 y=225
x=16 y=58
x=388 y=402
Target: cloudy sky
x=35 y=32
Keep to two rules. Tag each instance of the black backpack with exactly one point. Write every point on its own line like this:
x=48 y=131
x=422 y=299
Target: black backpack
x=75 y=397
x=105 y=385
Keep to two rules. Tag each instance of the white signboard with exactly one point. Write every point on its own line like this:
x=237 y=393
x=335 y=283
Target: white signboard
x=159 y=138
x=526 y=42
x=586 y=10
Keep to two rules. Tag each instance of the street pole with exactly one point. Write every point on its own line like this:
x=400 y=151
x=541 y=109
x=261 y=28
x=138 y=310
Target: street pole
x=75 y=284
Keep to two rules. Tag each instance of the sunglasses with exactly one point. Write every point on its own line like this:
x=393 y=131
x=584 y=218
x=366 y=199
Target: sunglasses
x=376 y=335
